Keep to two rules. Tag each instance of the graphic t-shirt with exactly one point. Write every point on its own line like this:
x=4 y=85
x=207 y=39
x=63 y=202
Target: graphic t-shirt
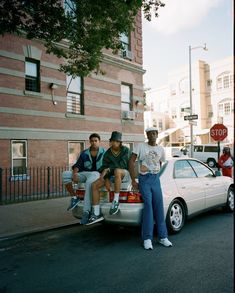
x=149 y=158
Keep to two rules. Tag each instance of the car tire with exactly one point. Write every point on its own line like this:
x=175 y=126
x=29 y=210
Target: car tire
x=211 y=163
x=175 y=218
x=230 y=200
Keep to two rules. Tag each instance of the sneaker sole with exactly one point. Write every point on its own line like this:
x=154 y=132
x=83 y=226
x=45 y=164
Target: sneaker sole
x=96 y=221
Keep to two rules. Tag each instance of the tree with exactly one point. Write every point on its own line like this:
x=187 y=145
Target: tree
x=76 y=31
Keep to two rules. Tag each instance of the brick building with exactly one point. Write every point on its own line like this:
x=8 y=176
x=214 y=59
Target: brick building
x=46 y=117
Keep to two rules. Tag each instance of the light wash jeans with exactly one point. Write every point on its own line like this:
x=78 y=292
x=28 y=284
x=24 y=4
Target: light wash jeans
x=84 y=177
x=150 y=189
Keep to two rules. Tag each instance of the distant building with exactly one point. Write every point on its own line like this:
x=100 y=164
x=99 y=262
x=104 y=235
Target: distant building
x=46 y=117
x=212 y=101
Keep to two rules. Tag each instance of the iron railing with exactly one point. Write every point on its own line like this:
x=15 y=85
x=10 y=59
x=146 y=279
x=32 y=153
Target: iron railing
x=35 y=184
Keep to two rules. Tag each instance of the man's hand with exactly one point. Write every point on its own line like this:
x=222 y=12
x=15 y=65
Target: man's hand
x=105 y=171
x=135 y=185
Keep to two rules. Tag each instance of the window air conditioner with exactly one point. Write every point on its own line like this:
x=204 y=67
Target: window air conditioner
x=126 y=54
x=128 y=115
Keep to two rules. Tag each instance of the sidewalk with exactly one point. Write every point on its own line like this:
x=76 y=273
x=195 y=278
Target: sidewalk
x=23 y=218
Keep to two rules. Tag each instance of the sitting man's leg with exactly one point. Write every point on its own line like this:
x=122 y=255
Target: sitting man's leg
x=90 y=178
x=96 y=215
x=119 y=175
x=67 y=181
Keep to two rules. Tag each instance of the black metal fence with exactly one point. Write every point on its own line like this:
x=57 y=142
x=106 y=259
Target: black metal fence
x=35 y=184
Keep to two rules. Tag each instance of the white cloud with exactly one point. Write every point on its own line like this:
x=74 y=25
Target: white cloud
x=178 y=15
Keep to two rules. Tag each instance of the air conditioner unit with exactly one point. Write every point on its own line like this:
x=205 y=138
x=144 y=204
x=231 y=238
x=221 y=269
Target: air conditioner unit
x=128 y=115
x=126 y=54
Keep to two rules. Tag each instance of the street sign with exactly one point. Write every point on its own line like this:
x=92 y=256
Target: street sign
x=218 y=132
x=191 y=117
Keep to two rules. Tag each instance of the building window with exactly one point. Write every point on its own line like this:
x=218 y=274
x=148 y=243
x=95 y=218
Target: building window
x=125 y=40
x=74 y=149
x=227 y=109
x=224 y=81
x=224 y=108
x=19 y=157
x=126 y=97
x=32 y=75
x=75 y=95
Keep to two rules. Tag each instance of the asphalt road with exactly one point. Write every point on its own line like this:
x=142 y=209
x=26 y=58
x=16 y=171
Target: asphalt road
x=106 y=259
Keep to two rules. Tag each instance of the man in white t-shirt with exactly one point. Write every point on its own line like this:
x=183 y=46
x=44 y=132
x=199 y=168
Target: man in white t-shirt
x=150 y=157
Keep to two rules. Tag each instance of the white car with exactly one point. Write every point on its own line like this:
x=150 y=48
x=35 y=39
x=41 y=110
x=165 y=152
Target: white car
x=189 y=187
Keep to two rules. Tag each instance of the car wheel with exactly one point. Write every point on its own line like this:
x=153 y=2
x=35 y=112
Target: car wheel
x=211 y=163
x=230 y=200
x=175 y=218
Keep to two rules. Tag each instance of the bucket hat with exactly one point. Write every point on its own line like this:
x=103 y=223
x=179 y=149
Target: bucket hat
x=117 y=136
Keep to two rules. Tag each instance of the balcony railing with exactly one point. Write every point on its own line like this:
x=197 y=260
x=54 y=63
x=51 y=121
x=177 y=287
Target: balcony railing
x=35 y=184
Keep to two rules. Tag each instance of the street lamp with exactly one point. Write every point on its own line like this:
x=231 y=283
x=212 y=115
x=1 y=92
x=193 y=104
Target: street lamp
x=190 y=92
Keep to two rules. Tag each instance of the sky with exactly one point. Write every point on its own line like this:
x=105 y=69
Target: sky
x=184 y=23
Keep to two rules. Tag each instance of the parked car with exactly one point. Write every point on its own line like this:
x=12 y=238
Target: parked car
x=189 y=187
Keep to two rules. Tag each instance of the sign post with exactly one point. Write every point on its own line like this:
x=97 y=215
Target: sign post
x=191 y=121
x=218 y=132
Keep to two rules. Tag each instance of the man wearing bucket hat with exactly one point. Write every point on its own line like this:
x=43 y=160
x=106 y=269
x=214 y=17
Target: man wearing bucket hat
x=115 y=163
x=150 y=157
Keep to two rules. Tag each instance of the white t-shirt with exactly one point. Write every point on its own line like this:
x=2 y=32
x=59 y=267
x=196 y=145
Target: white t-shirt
x=149 y=157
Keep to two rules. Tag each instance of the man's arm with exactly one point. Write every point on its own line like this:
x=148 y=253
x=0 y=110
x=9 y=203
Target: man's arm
x=131 y=166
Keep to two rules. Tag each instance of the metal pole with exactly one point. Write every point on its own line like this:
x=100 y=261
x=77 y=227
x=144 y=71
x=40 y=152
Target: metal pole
x=190 y=102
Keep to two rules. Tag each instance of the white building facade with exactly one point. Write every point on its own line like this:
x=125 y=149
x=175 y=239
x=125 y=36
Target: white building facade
x=212 y=102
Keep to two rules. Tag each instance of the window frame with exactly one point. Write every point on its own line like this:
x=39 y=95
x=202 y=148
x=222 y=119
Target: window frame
x=29 y=78
x=13 y=173
x=71 y=97
x=130 y=103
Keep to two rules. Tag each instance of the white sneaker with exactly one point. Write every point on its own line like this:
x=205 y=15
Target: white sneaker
x=148 y=244
x=165 y=242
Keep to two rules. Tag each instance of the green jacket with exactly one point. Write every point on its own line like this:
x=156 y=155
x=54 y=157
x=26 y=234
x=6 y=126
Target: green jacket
x=112 y=161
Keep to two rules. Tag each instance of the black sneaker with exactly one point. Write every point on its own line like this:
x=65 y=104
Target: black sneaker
x=114 y=208
x=95 y=219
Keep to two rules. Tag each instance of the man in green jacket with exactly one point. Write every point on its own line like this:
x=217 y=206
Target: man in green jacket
x=115 y=163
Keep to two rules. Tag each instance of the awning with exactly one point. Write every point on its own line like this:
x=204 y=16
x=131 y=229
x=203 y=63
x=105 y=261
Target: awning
x=167 y=132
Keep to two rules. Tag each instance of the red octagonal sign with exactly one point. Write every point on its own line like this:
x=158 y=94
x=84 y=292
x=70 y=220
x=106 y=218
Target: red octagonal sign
x=218 y=132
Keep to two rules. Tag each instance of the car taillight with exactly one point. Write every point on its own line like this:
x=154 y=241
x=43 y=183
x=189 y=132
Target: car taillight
x=134 y=197
x=127 y=197
x=80 y=193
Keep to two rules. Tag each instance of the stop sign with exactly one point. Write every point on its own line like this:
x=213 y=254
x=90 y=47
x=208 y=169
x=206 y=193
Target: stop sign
x=218 y=132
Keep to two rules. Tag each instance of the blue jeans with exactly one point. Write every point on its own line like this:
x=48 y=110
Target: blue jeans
x=88 y=178
x=150 y=189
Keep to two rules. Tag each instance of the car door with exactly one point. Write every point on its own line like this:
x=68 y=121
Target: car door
x=214 y=188
x=189 y=186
